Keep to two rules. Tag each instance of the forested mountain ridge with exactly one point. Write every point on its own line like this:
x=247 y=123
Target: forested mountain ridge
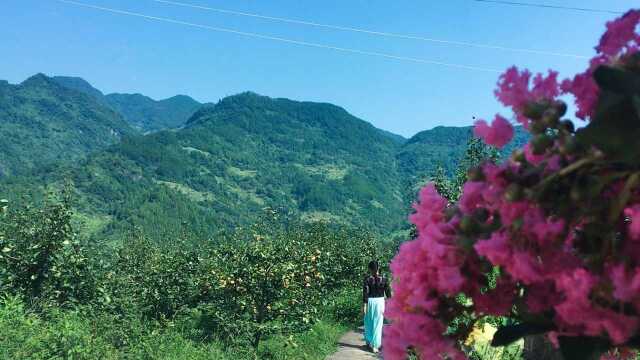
x=42 y=123
x=142 y=112
x=232 y=159
x=443 y=146
x=147 y=114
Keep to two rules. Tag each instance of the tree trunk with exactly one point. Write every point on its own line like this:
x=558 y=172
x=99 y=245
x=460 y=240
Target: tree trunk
x=537 y=347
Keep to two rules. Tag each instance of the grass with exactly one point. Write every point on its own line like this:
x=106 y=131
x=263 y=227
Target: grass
x=329 y=171
x=192 y=194
x=74 y=335
x=316 y=343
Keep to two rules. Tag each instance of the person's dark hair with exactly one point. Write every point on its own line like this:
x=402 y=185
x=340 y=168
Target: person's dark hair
x=373 y=265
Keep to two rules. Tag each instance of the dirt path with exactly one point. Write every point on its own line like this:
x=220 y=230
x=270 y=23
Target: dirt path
x=351 y=346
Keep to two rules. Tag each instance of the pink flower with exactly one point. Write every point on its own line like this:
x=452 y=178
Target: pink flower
x=620 y=38
x=626 y=284
x=498 y=134
x=498 y=301
x=545 y=87
x=430 y=208
x=547 y=230
x=585 y=90
x=525 y=268
x=471 y=196
x=633 y=213
x=514 y=90
x=531 y=157
x=542 y=296
x=621 y=35
x=496 y=248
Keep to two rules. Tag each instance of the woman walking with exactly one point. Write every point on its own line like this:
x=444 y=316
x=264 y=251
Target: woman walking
x=375 y=288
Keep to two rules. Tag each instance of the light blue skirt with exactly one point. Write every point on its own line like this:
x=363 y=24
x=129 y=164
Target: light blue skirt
x=373 y=320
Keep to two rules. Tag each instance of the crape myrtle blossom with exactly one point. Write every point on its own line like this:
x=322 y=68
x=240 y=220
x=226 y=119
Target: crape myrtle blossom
x=621 y=39
x=498 y=134
x=559 y=221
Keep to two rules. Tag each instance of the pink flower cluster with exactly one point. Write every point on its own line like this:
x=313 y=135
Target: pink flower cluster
x=425 y=268
x=620 y=39
x=544 y=252
x=516 y=89
x=498 y=134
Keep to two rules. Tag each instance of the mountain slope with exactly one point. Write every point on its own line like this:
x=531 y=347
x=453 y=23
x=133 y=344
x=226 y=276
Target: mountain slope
x=220 y=168
x=142 y=112
x=444 y=146
x=80 y=84
x=233 y=159
x=150 y=115
x=42 y=122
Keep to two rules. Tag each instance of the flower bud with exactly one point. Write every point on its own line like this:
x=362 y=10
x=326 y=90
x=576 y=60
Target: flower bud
x=450 y=212
x=534 y=110
x=541 y=143
x=567 y=125
x=560 y=108
x=481 y=215
x=513 y=193
x=475 y=174
x=537 y=127
x=550 y=118
x=577 y=193
x=570 y=146
x=518 y=156
x=468 y=225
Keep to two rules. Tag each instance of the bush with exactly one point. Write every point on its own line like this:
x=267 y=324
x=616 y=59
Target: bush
x=41 y=258
x=25 y=335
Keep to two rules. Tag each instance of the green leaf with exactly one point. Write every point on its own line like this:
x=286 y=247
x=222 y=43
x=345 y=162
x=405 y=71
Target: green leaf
x=614 y=129
x=617 y=80
x=582 y=348
x=508 y=334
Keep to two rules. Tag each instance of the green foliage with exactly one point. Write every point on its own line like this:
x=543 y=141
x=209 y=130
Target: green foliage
x=25 y=335
x=216 y=172
x=42 y=122
x=233 y=159
x=274 y=279
x=259 y=291
x=444 y=154
x=147 y=114
x=40 y=256
x=614 y=128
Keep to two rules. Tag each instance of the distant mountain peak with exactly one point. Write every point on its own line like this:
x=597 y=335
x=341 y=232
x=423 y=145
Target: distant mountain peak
x=80 y=84
x=37 y=79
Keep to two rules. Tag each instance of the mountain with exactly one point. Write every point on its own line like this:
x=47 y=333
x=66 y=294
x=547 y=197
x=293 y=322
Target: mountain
x=80 y=84
x=218 y=169
x=232 y=160
x=42 y=122
x=395 y=137
x=147 y=114
x=142 y=112
x=443 y=146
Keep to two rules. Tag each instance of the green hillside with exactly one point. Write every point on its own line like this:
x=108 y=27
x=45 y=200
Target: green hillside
x=223 y=166
x=80 y=84
x=233 y=159
x=42 y=122
x=142 y=112
x=147 y=114
x=442 y=146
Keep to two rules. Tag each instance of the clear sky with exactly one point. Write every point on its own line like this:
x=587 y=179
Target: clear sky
x=119 y=53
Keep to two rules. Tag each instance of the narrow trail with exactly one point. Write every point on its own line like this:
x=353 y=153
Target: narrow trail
x=351 y=346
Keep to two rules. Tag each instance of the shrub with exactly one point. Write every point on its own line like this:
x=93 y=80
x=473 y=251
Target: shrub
x=560 y=218
x=41 y=257
x=26 y=335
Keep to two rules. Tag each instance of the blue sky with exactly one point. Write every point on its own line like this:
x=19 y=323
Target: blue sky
x=119 y=53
